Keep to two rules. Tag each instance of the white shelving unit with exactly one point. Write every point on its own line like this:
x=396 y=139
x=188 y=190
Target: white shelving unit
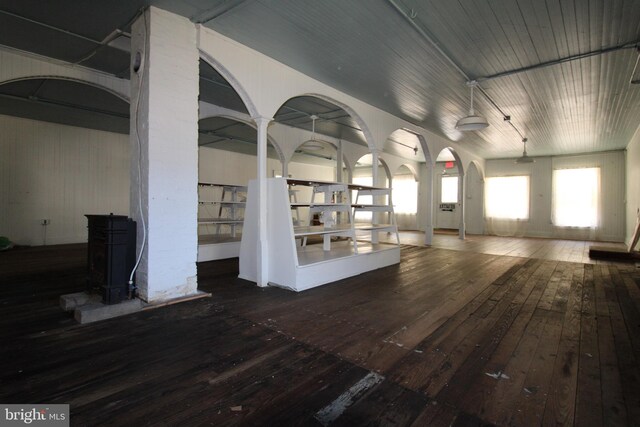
x=376 y=207
x=299 y=267
x=220 y=220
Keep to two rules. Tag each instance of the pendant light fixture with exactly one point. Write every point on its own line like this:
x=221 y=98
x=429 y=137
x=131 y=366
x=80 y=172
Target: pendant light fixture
x=525 y=158
x=472 y=121
x=313 y=144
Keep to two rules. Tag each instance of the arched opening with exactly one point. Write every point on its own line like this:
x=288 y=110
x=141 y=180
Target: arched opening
x=319 y=136
x=218 y=87
x=332 y=122
x=405 y=198
x=410 y=182
x=322 y=154
x=227 y=161
x=363 y=174
x=474 y=199
x=449 y=193
x=67 y=148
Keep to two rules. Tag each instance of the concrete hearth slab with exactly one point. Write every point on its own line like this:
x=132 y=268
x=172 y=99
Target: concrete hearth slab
x=98 y=311
x=70 y=302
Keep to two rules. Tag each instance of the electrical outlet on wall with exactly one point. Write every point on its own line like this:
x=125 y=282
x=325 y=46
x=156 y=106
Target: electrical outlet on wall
x=45 y=222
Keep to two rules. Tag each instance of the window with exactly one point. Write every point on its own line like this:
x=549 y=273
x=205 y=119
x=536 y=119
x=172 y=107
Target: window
x=507 y=197
x=575 y=197
x=449 y=189
x=405 y=194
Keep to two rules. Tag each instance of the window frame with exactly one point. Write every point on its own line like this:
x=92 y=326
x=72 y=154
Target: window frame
x=442 y=178
x=486 y=192
x=598 y=191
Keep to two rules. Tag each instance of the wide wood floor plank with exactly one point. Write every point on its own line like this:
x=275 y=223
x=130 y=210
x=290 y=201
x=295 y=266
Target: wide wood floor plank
x=470 y=335
x=589 y=387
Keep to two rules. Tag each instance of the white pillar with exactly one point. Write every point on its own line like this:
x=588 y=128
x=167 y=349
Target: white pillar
x=461 y=227
x=428 y=229
x=263 y=247
x=339 y=162
x=164 y=153
x=374 y=168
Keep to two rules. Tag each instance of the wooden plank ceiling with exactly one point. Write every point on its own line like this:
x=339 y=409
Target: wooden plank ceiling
x=369 y=49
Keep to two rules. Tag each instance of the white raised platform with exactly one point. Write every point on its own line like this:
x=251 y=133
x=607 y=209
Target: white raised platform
x=318 y=267
x=213 y=247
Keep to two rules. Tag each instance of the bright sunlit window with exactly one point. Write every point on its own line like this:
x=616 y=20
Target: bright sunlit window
x=405 y=194
x=575 y=197
x=449 y=189
x=507 y=197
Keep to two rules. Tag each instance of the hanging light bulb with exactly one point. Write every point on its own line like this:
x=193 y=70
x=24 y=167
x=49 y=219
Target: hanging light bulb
x=313 y=144
x=525 y=158
x=472 y=121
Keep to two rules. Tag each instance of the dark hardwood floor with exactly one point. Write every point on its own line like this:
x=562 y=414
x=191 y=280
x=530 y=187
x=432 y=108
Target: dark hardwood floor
x=452 y=337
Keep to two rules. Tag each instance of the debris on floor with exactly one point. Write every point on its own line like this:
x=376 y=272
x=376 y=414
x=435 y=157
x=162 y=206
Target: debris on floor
x=497 y=375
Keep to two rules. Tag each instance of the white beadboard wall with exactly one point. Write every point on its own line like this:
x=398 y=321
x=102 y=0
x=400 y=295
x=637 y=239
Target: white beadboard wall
x=60 y=173
x=612 y=175
x=633 y=184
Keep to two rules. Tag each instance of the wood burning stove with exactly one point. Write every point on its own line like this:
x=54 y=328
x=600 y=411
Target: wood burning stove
x=111 y=256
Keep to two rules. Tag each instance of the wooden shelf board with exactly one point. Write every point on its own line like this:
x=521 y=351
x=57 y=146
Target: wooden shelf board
x=219 y=221
x=319 y=205
x=368 y=227
x=320 y=229
x=230 y=186
x=312 y=183
x=213 y=239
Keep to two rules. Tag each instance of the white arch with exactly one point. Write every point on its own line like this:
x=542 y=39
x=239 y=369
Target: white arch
x=461 y=190
x=411 y=169
x=368 y=136
x=24 y=66
x=235 y=84
x=385 y=166
x=477 y=165
x=345 y=159
x=474 y=199
x=428 y=191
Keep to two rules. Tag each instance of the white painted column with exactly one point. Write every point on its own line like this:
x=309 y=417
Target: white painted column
x=285 y=169
x=428 y=229
x=164 y=153
x=461 y=195
x=263 y=245
x=339 y=162
x=374 y=167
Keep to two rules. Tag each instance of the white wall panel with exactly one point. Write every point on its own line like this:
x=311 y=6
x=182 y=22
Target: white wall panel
x=633 y=184
x=612 y=167
x=60 y=173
